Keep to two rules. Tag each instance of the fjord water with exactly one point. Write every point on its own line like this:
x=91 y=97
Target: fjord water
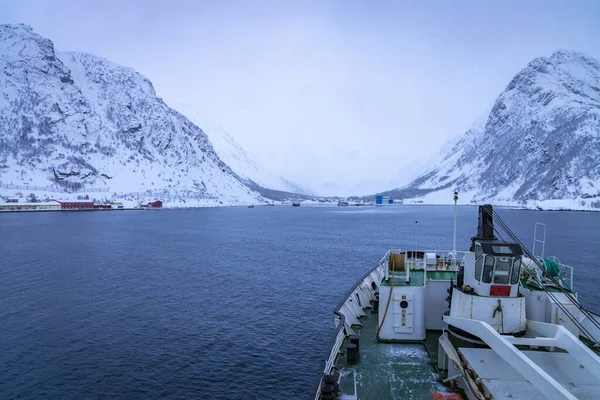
x=225 y=303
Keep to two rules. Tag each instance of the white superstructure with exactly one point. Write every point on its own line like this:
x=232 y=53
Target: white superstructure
x=508 y=338
x=496 y=321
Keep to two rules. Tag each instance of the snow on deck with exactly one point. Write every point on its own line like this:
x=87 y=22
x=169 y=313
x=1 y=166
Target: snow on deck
x=387 y=370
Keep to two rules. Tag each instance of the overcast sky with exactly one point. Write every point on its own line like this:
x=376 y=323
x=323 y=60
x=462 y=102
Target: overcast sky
x=343 y=96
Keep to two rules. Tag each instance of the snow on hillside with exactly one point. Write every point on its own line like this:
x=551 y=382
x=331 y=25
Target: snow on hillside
x=235 y=156
x=74 y=120
x=540 y=141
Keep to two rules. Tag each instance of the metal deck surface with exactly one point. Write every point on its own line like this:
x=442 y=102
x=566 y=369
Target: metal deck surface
x=387 y=370
x=505 y=382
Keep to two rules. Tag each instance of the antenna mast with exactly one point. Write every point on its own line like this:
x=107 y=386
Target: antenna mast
x=454 y=242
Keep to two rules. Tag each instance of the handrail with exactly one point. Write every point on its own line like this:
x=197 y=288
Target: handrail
x=444 y=254
x=317 y=384
x=349 y=292
x=341 y=326
x=437 y=251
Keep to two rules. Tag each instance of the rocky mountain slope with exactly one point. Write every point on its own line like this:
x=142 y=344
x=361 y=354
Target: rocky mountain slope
x=539 y=141
x=76 y=120
x=244 y=164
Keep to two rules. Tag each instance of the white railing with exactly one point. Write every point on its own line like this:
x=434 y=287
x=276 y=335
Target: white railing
x=565 y=276
x=339 y=339
x=448 y=261
x=568 y=271
x=348 y=312
x=565 y=272
x=448 y=255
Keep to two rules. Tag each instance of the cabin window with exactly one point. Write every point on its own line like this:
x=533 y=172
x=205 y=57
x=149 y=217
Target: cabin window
x=516 y=271
x=502 y=272
x=488 y=268
x=478 y=251
x=478 y=261
x=502 y=250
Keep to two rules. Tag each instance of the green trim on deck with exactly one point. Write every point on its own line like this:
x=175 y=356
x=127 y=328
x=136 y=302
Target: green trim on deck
x=441 y=275
x=548 y=288
x=417 y=277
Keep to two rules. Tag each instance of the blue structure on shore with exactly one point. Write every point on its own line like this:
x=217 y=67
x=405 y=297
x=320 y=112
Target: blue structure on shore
x=381 y=200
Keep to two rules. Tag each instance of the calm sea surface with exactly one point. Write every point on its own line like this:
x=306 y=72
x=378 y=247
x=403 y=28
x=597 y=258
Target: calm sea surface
x=228 y=303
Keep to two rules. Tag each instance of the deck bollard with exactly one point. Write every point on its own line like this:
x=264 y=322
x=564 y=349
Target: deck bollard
x=351 y=353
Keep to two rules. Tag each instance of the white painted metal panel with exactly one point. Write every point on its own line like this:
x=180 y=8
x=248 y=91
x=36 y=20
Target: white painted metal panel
x=403 y=317
x=535 y=304
x=511 y=319
x=513 y=356
x=398 y=325
x=555 y=315
x=591 y=327
x=505 y=382
x=435 y=304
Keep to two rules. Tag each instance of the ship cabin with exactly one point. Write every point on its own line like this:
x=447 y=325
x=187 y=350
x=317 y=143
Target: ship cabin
x=489 y=280
x=493 y=269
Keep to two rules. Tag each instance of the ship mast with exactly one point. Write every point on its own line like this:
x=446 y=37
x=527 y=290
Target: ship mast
x=454 y=242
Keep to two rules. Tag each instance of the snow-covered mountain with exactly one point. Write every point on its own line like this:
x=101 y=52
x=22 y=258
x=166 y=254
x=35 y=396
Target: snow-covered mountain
x=76 y=120
x=244 y=164
x=539 y=141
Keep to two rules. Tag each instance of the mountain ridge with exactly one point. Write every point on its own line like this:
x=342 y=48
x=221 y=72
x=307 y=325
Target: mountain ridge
x=74 y=120
x=540 y=140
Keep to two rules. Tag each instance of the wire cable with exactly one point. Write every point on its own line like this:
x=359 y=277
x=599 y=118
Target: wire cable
x=567 y=293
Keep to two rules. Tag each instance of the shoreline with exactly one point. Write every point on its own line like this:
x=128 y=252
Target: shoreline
x=305 y=205
x=73 y=210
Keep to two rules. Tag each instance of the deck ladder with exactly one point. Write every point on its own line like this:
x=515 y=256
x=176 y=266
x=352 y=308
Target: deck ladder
x=539 y=239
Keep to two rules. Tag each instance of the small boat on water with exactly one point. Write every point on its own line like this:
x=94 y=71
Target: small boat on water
x=495 y=322
x=342 y=203
x=296 y=204
x=251 y=206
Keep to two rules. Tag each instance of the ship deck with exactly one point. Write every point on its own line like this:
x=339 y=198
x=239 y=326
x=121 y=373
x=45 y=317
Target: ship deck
x=390 y=370
x=409 y=370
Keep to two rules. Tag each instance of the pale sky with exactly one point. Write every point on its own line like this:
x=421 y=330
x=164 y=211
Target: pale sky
x=343 y=96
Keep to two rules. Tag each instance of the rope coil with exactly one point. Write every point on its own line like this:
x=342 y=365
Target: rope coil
x=389 y=297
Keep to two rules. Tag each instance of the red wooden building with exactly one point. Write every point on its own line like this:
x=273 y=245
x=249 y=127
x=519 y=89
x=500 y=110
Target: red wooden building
x=76 y=205
x=153 y=204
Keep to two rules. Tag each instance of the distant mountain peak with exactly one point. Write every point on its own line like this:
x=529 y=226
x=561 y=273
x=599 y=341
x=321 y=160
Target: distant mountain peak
x=540 y=139
x=17 y=27
x=563 y=56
